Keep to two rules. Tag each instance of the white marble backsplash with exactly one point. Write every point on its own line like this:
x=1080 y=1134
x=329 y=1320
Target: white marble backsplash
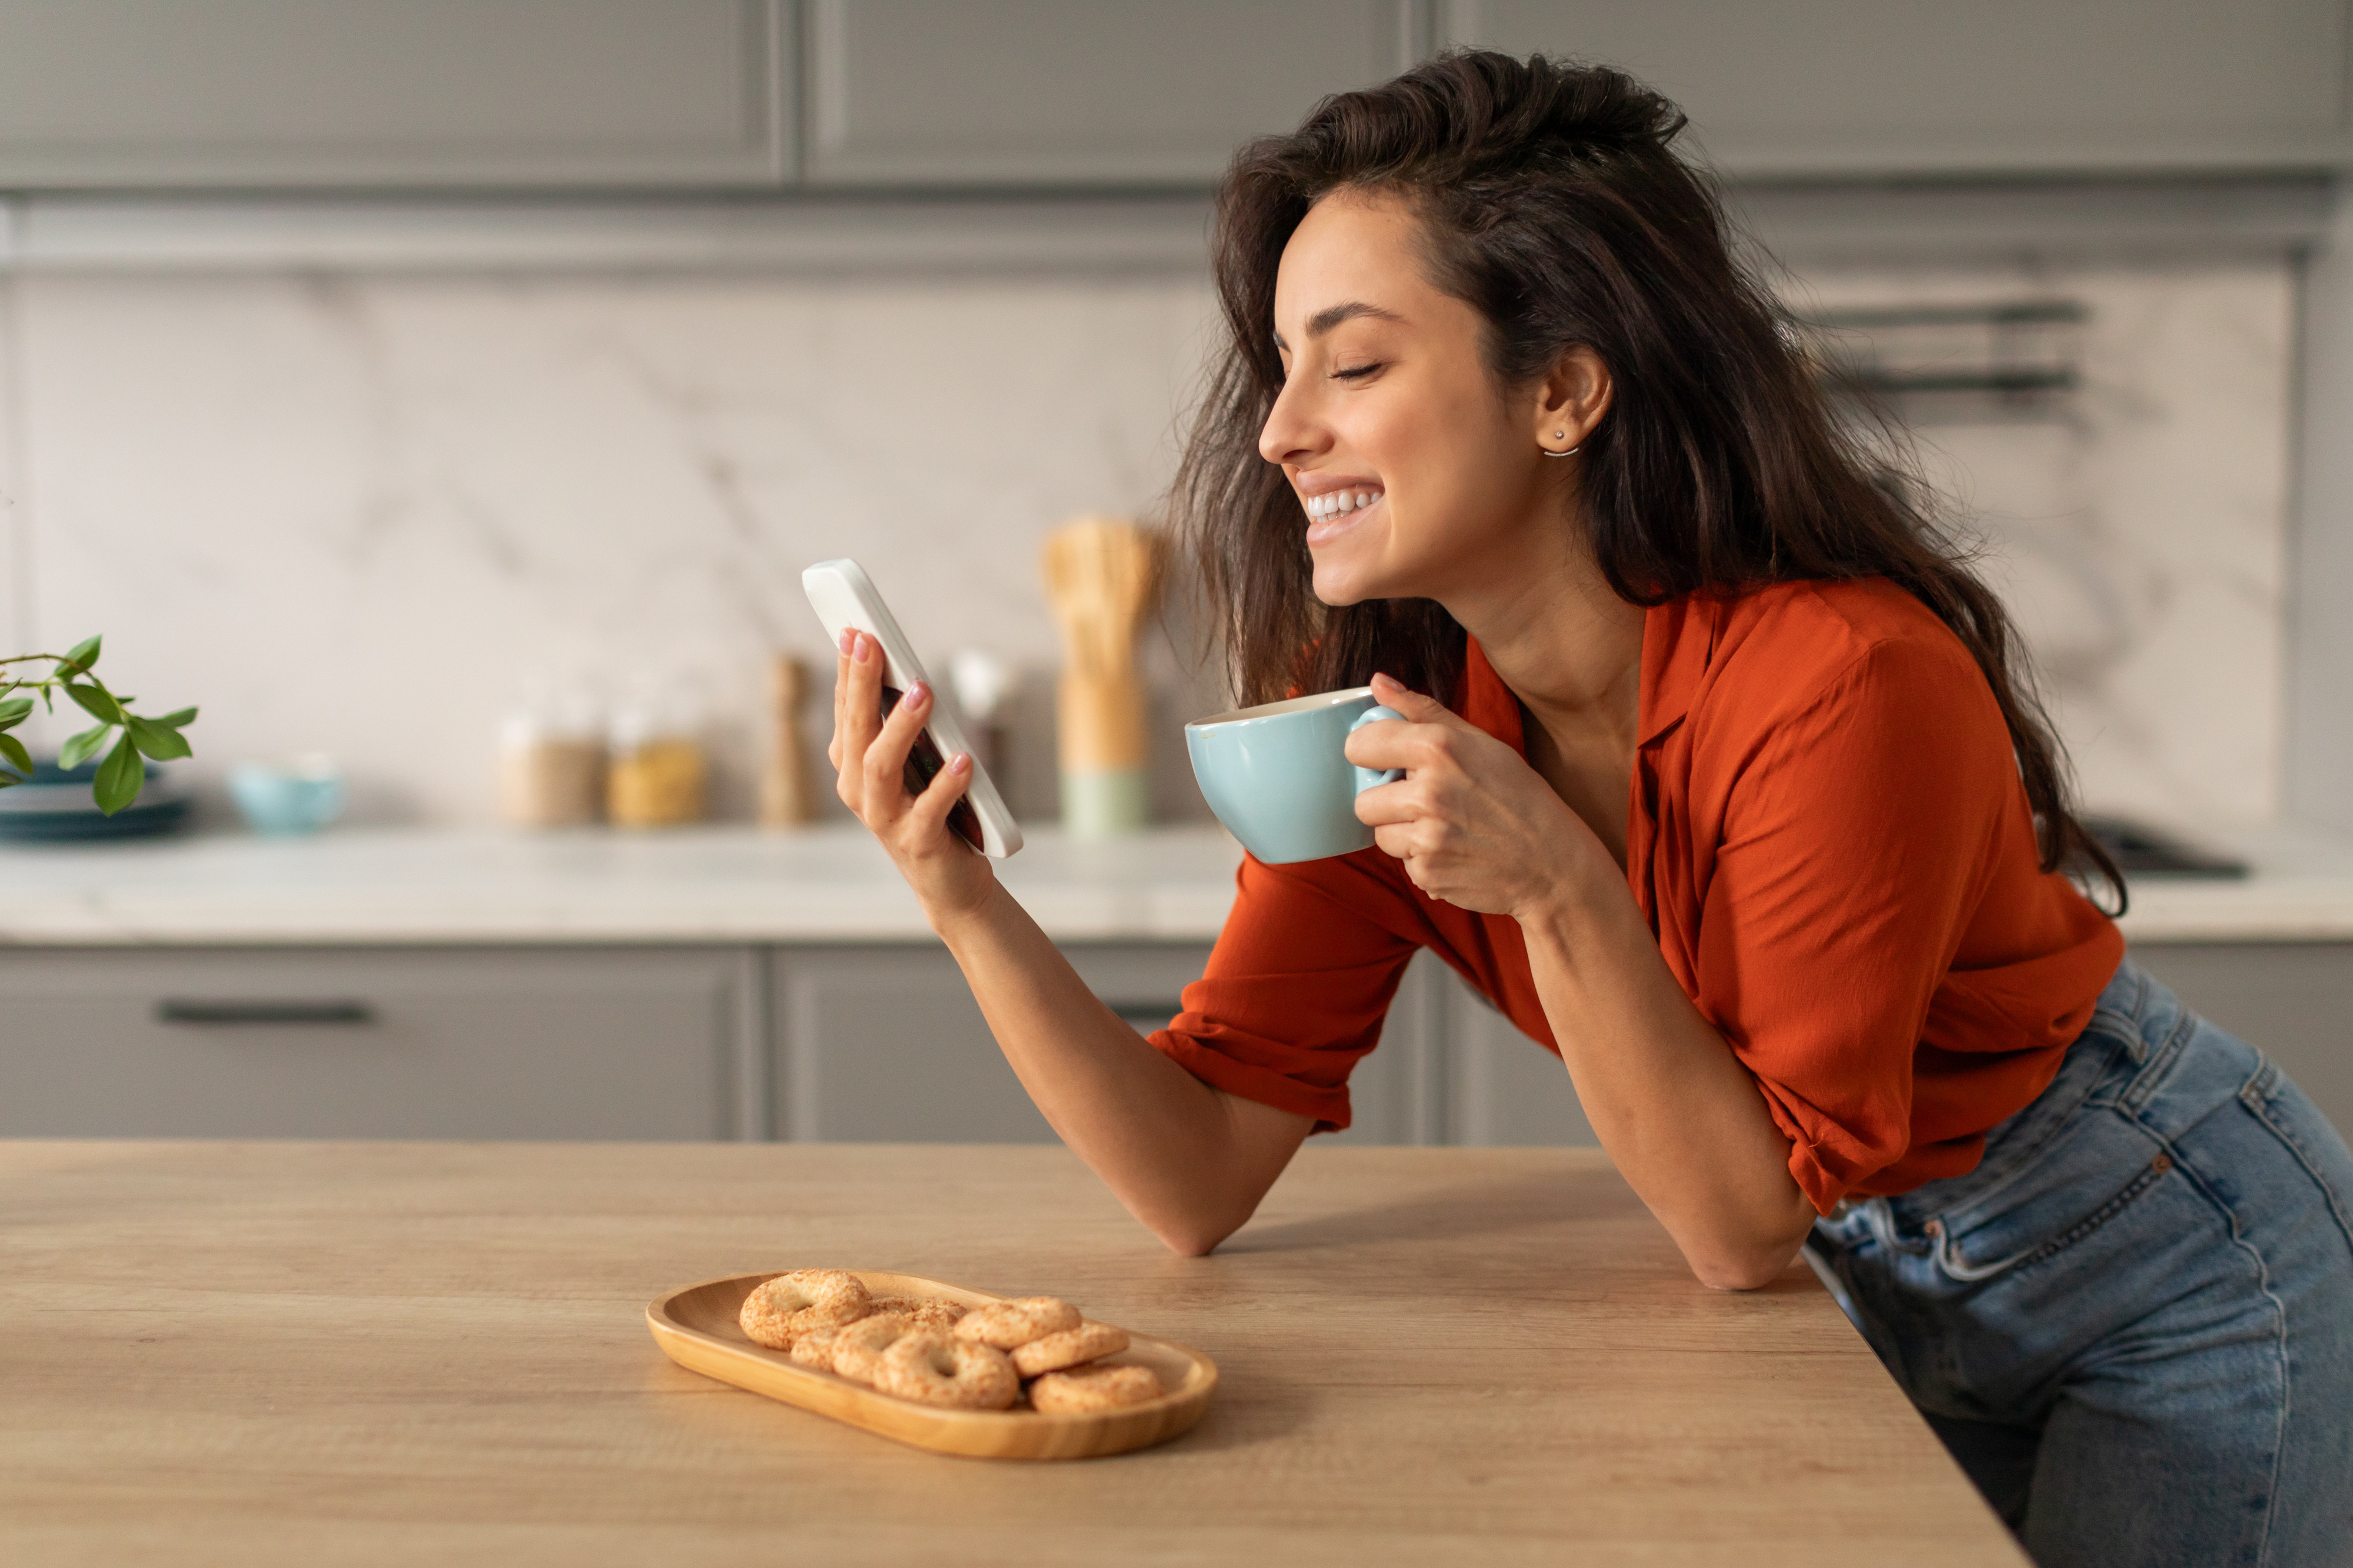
x=348 y=511
x=351 y=514
x=2137 y=525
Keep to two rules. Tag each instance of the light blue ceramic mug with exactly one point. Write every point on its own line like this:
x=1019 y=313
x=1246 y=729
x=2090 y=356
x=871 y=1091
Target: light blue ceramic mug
x=1279 y=777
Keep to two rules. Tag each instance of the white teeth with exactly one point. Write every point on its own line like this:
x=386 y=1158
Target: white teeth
x=1337 y=503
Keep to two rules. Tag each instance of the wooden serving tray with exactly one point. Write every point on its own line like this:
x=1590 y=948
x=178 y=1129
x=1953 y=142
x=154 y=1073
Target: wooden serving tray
x=697 y=1327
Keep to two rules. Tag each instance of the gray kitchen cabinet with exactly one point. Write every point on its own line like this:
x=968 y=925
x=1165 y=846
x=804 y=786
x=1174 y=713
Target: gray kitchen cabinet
x=1503 y=1090
x=886 y=1044
x=1042 y=92
x=2293 y=1000
x=651 y=95
x=380 y=1042
x=116 y=94
x=873 y=1042
x=1779 y=88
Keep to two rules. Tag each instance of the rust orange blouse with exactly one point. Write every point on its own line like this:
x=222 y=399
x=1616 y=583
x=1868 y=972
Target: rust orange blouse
x=1828 y=833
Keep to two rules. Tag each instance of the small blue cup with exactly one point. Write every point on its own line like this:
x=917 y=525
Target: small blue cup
x=1279 y=777
x=284 y=801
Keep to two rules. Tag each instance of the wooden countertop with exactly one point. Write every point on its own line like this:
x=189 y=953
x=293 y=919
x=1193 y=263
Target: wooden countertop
x=307 y=1353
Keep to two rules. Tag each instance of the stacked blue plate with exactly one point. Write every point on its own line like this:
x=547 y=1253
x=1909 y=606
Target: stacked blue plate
x=55 y=806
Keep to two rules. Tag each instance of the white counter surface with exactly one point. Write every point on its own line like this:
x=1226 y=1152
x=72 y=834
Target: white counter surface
x=827 y=884
x=2301 y=889
x=683 y=885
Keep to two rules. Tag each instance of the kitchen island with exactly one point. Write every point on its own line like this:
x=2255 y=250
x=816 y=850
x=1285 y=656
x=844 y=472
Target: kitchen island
x=304 y=1353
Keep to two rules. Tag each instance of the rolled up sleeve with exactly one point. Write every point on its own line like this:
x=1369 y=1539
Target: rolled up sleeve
x=1295 y=992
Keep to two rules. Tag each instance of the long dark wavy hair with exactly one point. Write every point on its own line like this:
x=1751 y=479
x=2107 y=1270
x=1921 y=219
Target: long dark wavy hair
x=1551 y=200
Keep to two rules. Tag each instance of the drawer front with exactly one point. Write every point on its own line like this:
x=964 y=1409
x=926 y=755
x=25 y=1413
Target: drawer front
x=1040 y=93
x=1505 y=1090
x=147 y=94
x=1845 y=87
x=490 y=1043
x=887 y=1046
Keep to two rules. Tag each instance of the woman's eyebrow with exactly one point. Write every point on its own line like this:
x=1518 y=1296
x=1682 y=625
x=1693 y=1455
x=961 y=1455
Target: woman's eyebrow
x=1331 y=316
x=1323 y=320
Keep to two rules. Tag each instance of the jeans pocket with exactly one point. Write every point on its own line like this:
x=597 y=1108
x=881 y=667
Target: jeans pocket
x=2086 y=1178
x=2296 y=1122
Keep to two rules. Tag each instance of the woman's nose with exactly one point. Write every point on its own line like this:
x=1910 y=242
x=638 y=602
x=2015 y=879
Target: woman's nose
x=1291 y=434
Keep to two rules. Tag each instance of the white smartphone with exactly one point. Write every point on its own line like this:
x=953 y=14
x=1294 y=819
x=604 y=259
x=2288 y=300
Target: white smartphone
x=845 y=597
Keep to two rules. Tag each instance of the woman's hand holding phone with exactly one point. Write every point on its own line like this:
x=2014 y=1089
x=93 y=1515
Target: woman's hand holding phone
x=869 y=754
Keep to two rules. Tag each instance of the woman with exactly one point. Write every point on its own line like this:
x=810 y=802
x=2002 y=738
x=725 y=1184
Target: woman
x=1737 y=800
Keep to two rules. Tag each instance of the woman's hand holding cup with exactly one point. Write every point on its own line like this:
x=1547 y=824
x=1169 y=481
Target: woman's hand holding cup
x=1472 y=822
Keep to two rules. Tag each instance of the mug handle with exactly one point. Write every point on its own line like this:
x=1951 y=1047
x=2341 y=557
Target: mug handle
x=1373 y=778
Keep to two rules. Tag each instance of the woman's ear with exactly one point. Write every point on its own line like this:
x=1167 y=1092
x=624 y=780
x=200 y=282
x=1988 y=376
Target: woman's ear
x=1571 y=399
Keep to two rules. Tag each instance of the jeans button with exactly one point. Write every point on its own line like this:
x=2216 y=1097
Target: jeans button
x=2161 y=1164
x=1934 y=1227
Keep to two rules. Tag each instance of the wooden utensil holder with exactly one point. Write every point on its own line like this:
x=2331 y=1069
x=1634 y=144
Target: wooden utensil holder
x=1101 y=574
x=1102 y=750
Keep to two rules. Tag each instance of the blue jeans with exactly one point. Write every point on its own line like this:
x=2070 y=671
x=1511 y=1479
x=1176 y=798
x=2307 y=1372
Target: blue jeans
x=2133 y=1322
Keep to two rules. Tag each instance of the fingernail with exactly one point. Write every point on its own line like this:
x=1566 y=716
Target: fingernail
x=960 y=764
x=849 y=642
x=919 y=694
x=861 y=648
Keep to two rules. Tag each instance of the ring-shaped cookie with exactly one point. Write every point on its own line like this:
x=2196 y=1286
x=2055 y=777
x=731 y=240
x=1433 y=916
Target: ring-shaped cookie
x=1091 y=1389
x=857 y=1347
x=815 y=1349
x=1068 y=1349
x=923 y=1312
x=782 y=1310
x=931 y=1368
x=1005 y=1324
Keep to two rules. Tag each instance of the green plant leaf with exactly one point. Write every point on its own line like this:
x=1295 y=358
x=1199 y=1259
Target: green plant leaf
x=18 y=758
x=155 y=740
x=80 y=657
x=96 y=703
x=84 y=746
x=13 y=711
x=176 y=718
x=119 y=777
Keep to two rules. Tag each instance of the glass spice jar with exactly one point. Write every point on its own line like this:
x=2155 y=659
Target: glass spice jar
x=660 y=771
x=551 y=769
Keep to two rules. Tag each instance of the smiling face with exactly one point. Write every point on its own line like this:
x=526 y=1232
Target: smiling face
x=1417 y=476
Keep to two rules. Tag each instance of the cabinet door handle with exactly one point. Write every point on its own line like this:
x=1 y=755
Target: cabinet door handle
x=332 y=1014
